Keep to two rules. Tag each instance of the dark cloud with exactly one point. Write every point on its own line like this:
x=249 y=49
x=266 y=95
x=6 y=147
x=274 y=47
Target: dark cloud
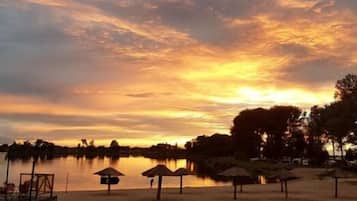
x=63 y=120
x=316 y=71
x=130 y=122
x=292 y=49
x=40 y=58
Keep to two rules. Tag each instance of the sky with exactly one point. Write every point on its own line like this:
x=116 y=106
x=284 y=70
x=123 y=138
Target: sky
x=150 y=71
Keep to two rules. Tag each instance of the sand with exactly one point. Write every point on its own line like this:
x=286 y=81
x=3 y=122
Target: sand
x=309 y=188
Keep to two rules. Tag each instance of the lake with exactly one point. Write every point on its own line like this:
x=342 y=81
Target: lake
x=80 y=172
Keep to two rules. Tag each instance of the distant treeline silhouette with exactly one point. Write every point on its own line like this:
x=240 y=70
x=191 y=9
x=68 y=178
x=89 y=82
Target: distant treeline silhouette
x=274 y=133
x=47 y=150
x=287 y=132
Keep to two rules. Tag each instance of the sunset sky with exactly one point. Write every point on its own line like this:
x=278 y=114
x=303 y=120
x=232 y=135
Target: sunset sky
x=149 y=71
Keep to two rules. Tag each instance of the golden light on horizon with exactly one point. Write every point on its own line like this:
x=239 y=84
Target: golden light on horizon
x=149 y=72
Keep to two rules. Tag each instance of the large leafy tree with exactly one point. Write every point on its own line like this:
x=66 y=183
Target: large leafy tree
x=316 y=132
x=263 y=129
x=340 y=117
x=346 y=88
x=247 y=130
x=339 y=122
x=278 y=120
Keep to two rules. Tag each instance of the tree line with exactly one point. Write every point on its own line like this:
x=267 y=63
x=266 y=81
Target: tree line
x=48 y=150
x=287 y=131
x=87 y=148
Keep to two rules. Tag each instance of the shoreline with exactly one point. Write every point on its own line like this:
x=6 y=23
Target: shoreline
x=308 y=188
x=304 y=190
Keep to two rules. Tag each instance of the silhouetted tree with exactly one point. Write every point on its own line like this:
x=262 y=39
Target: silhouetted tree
x=339 y=122
x=247 y=131
x=316 y=132
x=251 y=126
x=114 y=149
x=215 y=145
x=350 y=155
x=346 y=88
x=84 y=142
x=295 y=143
x=278 y=122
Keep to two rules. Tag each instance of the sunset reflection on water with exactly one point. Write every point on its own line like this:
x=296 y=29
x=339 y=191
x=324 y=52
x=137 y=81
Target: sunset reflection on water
x=81 y=177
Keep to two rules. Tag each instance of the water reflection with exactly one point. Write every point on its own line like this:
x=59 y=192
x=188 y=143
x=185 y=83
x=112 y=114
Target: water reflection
x=80 y=172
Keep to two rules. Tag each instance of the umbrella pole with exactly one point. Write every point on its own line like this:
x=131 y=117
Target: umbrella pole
x=181 y=184
x=241 y=188
x=159 y=188
x=281 y=186
x=336 y=187
x=286 y=189
x=32 y=177
x=7 y=171
x=7 y=176
x=108 y=184
x=235 y=189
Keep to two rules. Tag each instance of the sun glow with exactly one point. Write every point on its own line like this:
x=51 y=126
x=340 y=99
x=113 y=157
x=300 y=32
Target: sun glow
x=132 y=71
x=271 y=96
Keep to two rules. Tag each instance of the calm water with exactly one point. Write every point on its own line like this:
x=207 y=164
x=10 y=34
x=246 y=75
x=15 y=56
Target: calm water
x=80 y=172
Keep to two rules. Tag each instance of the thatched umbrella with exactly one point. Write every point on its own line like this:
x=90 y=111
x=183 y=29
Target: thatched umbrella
x=284 y=176
x=109 y=172
x=160 y=171
x=338 y=173
x=235 y=173
x=182 y=172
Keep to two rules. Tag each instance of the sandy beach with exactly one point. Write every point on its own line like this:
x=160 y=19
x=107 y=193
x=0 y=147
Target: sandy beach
x=308 y=188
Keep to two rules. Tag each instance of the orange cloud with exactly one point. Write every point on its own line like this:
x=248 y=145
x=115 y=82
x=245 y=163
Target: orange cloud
x=153 y=71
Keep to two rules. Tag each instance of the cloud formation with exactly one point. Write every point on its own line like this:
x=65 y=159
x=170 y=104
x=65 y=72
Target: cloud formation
x=146 y=71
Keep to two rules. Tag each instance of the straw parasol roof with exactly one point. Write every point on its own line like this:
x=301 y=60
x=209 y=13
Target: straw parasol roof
x=235 y=172
x=159 y=170
x=340 y=173
x=182 y=172
x=109 y=172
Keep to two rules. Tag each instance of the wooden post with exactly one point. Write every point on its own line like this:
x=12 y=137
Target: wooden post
x=7 y=170
x=286 y=189
x=108 y=184
x=20 y=182
x=336 y=187
x=235 y=189
x=32 y=176
x=181 y=184
x=159 y=188
x=53 y=185
x=37 y=187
